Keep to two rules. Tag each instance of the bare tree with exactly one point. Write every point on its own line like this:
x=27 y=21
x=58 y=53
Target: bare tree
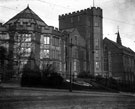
x=22 y=49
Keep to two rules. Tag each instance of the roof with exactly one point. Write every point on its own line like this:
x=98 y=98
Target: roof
x=27 y=15
x=119 y=46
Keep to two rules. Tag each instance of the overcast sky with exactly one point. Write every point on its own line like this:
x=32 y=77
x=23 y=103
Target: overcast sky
x=115 y=13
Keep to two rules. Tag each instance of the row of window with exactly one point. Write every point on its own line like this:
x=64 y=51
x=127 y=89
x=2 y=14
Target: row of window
x=47 y=40
x=55 y=54
x=23 y=37
x=22 y=52
x=4 y=36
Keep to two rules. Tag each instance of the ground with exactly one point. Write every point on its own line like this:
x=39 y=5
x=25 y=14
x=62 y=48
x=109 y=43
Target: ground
x=38 y=98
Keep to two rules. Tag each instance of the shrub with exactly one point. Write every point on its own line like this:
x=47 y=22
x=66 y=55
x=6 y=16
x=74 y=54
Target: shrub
x=50 y=78
x=55 y=80
x=30 y=78
x=84 y=74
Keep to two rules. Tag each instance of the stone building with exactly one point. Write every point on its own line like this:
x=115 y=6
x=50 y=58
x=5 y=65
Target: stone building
x=119 y=61
x=75 y=47
x=86 y=37
x=32 y=40
x=4 y=45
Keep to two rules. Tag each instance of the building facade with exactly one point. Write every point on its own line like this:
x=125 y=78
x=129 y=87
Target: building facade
x=119 y=61
x=77 y=46
x=31 y=41
x=4 y=45
x=88 y=24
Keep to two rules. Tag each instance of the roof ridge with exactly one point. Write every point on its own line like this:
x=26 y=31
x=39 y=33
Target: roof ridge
x=119 y=46
x=114 y=43
x=27 y=13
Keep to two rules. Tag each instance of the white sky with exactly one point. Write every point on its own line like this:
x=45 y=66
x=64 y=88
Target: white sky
x=115 y=13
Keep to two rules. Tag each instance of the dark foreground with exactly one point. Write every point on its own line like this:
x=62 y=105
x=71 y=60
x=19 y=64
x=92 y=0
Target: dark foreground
x=31 y=98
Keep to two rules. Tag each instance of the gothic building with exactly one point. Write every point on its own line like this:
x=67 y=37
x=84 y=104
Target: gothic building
x=77 y=46
x=31 y=40
x=86 y=33
x=119 y=61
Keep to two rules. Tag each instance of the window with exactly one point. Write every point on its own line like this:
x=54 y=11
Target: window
x=96 y=54
x=75 y=52
x=84 y=66
x=71 y=20
x=56 y=42
x=28 y=50
x=97 y=65
x=97 y=43
x=41 y=54
x=105 y=66
x=56 y=54
x=41 y=46
x=53 y=53
x=28 y=37
x=46 y=53
x=60 y=66
x=75 y=65
x=53 y=42
x=42 y=39
x=96 y=24
x=76 y=42
x=41 y=65
x=46 y=40
x=78 y=18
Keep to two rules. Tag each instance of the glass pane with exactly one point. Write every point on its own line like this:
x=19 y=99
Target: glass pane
x=47 y=40
x=46 y=53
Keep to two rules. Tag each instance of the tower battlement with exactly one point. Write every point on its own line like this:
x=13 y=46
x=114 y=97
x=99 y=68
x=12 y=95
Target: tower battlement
x=93 y=11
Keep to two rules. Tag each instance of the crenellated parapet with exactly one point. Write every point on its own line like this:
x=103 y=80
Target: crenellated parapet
x=92 y=11
x=51 y=30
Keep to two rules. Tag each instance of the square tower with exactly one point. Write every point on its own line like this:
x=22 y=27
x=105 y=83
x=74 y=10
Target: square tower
x=88 y=22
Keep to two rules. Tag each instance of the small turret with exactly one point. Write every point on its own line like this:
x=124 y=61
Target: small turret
x=118 y=40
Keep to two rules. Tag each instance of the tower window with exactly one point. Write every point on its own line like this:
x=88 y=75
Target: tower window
x=78 y=18
x=71 y=20
x=97 y=43
x=75 y=65
x=96 y=24
x=97 y=66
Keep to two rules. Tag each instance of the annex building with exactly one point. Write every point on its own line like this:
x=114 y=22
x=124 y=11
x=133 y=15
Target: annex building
x=119 y=61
